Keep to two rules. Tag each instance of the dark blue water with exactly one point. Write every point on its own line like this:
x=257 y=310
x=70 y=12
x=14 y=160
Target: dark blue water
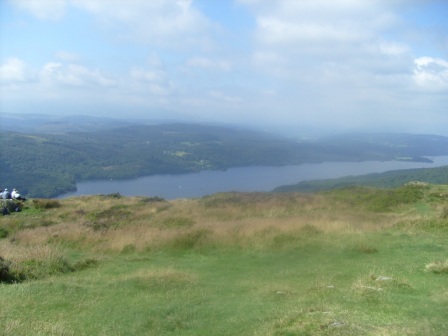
x=240 y=179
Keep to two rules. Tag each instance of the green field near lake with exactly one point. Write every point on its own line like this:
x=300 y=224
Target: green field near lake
x=354 y=261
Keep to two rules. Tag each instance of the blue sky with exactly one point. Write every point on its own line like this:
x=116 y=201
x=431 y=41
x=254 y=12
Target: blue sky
x=304 y=65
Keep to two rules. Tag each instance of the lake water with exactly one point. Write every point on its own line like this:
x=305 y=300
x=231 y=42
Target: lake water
x=240 y=179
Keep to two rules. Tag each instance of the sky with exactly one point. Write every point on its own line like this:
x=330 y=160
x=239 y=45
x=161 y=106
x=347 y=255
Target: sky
x=298 y=65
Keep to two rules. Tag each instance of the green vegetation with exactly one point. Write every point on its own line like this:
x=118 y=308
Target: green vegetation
x=49 y=164
x=353 y=261
x=388 y=179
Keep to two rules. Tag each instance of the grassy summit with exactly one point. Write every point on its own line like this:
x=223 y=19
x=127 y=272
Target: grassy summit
x=354 y=261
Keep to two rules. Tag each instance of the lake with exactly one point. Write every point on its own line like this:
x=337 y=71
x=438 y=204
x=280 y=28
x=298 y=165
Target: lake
x=240 y=179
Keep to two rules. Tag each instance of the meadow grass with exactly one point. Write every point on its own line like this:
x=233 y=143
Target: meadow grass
x=230 y=264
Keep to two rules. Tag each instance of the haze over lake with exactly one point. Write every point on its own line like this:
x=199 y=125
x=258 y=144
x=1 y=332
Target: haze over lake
x=242 y=179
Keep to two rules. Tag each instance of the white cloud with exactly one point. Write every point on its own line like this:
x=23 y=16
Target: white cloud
x=173 y=23
x=210 y=64
x=14 y=70
x=431 y=73
x=153 y=78
x=154 y=81
x=338 y=62
x=326 y=43
x=164 y=22
x=223 y=97
x=140 y=74
x=42 y=9
x=73 y=75
x=393 y=48
x=276 y=30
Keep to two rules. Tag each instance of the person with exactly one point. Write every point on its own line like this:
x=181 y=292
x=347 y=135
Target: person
x=15 y=195
x=6 y=194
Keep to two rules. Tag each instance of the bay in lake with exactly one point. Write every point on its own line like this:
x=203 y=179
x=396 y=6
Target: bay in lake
x=240 y=179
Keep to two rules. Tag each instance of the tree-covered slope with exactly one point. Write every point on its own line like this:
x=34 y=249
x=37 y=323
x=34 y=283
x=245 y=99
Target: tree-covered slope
x=391 y=179
x=46 y=165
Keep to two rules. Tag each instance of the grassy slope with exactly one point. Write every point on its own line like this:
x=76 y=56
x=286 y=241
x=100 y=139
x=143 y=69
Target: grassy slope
x=230 y=264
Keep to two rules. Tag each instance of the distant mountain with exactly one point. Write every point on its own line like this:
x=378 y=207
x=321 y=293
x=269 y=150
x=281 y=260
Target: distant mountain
x=39 y=123
x=401 y=146
x=47 y=164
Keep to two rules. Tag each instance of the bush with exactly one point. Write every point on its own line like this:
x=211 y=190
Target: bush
x=113 y=195
x=38 y=269
x=154 y=199
x=3 y=232
x=6 y=275
x=9 y=206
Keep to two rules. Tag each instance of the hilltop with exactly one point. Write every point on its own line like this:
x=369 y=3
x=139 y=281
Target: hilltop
x=356 y=260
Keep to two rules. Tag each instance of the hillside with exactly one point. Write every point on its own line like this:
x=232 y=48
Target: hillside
x=390 y=179
x=46 y=165
x=49 y=164
x=357 y=261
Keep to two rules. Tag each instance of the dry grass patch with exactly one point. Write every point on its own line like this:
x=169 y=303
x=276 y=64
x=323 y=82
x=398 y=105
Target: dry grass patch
x=19 y=253
x=229 y=219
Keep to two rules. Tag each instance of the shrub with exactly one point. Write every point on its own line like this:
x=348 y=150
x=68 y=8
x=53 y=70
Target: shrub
x=38 y=269
x=113 y=195
x=154 y=199
x=3 y=232
x=6 y=275
x=9 y=206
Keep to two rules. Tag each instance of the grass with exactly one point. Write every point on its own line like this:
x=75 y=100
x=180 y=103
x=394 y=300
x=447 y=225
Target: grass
x=229 y=264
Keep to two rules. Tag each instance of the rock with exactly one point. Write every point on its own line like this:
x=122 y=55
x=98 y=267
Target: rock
x=383 y=278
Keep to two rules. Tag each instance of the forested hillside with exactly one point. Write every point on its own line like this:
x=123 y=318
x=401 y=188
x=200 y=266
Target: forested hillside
x=49 y=164
x=46 y=165
x=391 y=179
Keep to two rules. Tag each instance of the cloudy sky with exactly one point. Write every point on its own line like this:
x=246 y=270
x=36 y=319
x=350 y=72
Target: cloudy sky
x=342 y=65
